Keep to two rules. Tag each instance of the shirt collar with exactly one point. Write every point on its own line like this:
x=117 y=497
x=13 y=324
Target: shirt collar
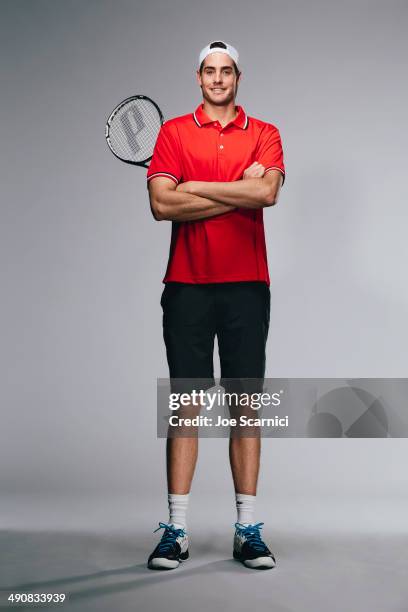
x=201 y=118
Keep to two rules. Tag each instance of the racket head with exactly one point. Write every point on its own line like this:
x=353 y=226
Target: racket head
x=132 y=129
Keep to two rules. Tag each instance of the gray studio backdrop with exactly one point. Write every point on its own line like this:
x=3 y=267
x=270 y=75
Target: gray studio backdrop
x=83 y=259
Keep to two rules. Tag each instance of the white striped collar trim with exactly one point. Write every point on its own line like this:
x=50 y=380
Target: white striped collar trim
x=244 y=127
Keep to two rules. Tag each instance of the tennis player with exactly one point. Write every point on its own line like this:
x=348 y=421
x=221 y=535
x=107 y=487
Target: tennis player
x=212 y=173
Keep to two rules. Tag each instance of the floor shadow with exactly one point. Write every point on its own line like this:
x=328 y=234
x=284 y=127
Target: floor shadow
x=142 y=577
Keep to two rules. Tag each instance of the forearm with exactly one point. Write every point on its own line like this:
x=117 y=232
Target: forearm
x=253 y=193
x=179 y=206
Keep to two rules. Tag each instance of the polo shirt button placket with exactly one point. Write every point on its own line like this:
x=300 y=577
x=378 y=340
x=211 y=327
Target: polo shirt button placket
x=221 y=145
x=220 y=153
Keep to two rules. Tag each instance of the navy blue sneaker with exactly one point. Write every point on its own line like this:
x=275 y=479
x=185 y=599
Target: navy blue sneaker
x=250 y=549
x=171 y=550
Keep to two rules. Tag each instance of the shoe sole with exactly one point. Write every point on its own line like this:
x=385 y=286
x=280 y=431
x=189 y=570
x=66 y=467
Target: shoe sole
x=167 y=564
x=259 y=563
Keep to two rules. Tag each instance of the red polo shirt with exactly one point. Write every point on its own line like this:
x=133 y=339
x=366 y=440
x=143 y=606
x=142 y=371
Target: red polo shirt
x=228 y=247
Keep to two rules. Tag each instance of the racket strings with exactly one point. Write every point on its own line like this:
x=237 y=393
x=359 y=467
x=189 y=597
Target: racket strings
x=133 y=130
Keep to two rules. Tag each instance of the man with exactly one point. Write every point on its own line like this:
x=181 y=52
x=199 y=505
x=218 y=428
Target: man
x=212 y=173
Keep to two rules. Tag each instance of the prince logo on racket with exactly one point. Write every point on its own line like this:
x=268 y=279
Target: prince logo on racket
x=213 y=172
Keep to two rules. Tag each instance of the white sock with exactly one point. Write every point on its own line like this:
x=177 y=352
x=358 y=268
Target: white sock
x=245 y=508
x=178 y=505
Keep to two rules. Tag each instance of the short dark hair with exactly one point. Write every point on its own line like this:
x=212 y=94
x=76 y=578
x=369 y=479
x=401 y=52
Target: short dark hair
x=237 y=72
x=218 y=44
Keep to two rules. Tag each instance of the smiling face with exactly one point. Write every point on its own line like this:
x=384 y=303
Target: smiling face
x=218 y=79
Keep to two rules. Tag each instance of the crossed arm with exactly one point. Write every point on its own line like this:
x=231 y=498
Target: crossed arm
x=195 y=200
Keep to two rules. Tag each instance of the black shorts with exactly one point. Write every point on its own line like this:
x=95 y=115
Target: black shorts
x=237 y=313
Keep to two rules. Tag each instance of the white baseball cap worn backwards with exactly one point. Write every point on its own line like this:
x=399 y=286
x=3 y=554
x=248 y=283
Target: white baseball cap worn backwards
x=218 y=47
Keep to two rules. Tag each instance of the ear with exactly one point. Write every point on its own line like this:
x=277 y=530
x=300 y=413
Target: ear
x=198 y=76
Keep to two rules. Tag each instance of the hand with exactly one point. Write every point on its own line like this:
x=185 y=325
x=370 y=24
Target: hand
x=255 y=170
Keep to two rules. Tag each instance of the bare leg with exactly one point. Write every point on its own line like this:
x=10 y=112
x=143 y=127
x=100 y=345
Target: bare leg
x=181 y=452
x=244 y=454
x=181 y=461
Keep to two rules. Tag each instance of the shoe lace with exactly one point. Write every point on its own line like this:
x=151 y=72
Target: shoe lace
x=252 y=534
x=169 y=536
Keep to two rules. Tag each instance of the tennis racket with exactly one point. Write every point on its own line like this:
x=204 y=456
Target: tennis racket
x=132 y=129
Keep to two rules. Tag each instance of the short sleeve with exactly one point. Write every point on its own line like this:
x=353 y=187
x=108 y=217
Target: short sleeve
x=166 y=156
x=270 y=152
